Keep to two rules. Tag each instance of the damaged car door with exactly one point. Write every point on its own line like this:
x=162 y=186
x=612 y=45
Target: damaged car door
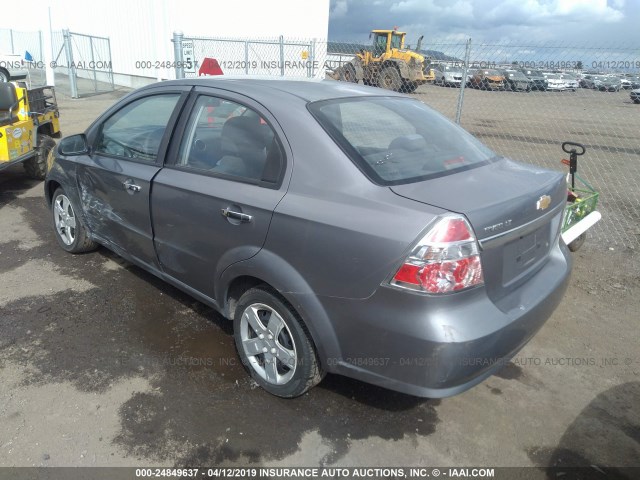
x=127 y=151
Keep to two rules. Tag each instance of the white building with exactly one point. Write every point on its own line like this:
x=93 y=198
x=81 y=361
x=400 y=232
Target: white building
x=140 y=33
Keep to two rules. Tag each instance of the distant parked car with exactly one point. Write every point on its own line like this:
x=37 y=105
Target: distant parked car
x=538 y=81
x=592 y=81
x=625 y=82
x=571 y=81
x=610 y=84
x=634 y=81
x=516 y=80
x=447 y=75
x=12 y=67
x=556 y=82
x=488 y=79
x=635 y=95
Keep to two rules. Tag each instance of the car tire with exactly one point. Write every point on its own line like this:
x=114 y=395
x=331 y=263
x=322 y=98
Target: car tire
x=69 y=229
x=274 y=345
x=577 y=243
x=389 y=79
x=4 y=75
x=37 y=167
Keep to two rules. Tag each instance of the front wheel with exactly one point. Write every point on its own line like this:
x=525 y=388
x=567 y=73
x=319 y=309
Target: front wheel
x=71 y=233
x=274 y=345
x=390 y=79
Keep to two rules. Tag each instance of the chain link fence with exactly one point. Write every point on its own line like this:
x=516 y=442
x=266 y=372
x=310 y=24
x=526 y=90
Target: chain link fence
x=523 y=101
x=28 y=48
x=81 y=63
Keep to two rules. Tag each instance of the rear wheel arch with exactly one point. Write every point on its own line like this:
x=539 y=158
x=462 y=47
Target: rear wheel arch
x=277 y=274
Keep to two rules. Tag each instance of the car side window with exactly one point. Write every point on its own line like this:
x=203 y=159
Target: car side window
x=136 y=130
x=228 y=138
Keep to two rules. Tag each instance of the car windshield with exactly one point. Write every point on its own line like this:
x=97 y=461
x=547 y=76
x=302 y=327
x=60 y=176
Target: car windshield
x=533 y=73
x=491 y=73
x=398 y=140
x=449 y=68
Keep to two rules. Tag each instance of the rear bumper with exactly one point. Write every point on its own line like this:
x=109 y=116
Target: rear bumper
x=436 y=347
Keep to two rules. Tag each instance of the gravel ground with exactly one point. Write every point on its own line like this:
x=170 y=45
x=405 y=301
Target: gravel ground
x=102 y=364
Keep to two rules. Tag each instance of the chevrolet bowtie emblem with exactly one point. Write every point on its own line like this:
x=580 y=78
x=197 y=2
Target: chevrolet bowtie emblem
x=543 y=202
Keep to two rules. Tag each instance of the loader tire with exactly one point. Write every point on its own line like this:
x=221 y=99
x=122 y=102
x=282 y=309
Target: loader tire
x=389 y=79
x=349 y=74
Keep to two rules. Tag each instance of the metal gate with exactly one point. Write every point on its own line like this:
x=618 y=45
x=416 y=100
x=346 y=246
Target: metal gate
x=82 y=63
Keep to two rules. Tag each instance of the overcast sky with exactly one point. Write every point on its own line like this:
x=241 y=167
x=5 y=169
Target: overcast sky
x=610 y=23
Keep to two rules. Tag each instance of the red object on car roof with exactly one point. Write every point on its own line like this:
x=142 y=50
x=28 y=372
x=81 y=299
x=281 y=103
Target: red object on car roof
x=210 y=66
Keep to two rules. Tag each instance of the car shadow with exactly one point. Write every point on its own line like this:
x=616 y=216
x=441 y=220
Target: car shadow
x=14 y=182
x=604 y=440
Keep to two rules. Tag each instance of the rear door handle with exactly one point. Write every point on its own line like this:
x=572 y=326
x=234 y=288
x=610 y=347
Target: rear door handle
x=129 y=185
x=230 y=214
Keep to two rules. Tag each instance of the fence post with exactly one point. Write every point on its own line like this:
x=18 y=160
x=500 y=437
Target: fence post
x=71 y=68
x=281 y=56
x=113 y=84
x=465 y=69
x=312 y=59
x=177 y=53
x=246 y=57
x=11 y=37
x=40 y=46
x=93 y=63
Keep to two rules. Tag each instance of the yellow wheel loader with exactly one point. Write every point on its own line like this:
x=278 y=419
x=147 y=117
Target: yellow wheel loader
x=387 y=64
x=28 y=124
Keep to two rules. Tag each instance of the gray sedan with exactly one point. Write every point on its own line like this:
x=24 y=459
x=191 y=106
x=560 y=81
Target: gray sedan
x=342 y=229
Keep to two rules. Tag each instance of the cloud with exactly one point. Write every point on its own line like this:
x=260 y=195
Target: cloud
x=522 y=21
x=338 y=9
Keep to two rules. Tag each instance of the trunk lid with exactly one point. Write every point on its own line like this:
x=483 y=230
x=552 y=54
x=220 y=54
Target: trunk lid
x=515 y=210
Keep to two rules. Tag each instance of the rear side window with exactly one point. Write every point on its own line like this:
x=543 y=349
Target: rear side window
x=227 y=138
x=396 y=140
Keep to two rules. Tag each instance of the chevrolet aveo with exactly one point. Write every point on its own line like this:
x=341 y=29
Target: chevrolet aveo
x=342 y=229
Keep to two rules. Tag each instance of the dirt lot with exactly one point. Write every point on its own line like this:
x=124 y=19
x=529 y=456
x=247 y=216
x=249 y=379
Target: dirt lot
x=102 y=364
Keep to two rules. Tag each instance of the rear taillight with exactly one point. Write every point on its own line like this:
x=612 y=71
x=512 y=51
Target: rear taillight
x=446 y=259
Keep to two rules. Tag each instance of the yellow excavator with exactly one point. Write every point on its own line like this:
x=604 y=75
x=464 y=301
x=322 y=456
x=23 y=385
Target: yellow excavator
x=388 y=64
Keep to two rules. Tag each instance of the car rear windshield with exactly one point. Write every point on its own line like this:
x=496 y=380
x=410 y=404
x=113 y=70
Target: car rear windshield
x=396 y=140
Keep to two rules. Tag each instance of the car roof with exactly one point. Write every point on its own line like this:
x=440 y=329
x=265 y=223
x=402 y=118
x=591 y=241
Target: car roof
x=265 y=90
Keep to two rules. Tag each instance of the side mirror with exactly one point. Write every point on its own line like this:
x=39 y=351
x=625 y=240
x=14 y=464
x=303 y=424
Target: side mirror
x=73 y=145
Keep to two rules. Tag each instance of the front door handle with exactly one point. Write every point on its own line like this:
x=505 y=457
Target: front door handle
x=129 y=185
x=230 y=214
